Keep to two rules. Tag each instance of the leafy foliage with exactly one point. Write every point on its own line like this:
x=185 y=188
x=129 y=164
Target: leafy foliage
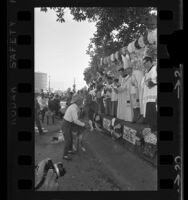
x=116 y=27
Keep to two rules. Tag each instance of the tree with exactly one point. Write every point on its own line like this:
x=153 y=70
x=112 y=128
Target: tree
x=116 y=27
x=90 y=74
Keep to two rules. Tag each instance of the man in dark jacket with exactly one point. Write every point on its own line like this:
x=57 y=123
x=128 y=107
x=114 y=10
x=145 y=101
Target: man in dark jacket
x=57 y=104
x=51 y=110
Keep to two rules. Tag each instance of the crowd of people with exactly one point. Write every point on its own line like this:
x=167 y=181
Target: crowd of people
x=131 y=97
x=47 y=105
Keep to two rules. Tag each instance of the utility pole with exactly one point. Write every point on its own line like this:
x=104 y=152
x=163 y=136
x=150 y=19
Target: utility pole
x=74 y=86
x=49 y=84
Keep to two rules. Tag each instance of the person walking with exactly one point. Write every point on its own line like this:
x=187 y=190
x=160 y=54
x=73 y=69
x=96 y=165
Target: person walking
x=37 y=120
x=43 y=102
x=71 y=118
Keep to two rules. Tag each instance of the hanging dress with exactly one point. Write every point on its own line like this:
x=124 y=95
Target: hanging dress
x=124 y=110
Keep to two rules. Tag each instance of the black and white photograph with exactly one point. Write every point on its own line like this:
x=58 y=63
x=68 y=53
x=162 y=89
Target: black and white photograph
x=95 y=76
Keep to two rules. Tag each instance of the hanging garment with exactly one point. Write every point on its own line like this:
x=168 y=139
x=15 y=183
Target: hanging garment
x=126 y=61
x=117 y=55
x=139 y=76
x=123 y=51
x=129 y=48
x=112 y=57
x=124 y=109
x=101 y=61
x=152 y=36
x=141 y=41
x=134 y=92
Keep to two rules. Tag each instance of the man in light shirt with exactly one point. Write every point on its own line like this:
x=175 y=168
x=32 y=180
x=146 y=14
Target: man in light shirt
x=43 y=102
x=71 y=118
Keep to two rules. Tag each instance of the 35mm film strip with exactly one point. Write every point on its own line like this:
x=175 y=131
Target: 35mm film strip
x=20 y=81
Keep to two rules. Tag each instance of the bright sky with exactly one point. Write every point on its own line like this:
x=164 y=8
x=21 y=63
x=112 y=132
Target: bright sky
x=60 y=48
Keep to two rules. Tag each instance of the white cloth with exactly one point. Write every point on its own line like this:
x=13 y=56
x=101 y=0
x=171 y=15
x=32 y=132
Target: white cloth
x=134 y=91
x=112 y=57
x=149 y=94
x=114 y=95
x=108 y=93
x=124 y=109
x=71 y=115
x=139 y=76
x=129 y=48
x=141 y=96
x=141 y=41
x=126 y=61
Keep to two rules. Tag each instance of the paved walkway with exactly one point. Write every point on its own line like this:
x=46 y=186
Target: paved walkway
x=131 y=171
x=104 y=157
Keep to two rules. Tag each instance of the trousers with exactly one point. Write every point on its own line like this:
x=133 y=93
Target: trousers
x=151 y=115
x=67 y=130
x=37 y=121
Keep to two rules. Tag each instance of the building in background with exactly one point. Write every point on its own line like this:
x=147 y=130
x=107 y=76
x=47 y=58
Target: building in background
x=40 y=81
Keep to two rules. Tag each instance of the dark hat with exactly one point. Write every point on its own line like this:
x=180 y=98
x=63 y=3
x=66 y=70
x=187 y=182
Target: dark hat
x=76 y=98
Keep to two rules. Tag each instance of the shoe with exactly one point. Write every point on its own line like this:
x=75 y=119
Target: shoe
x=67 y=158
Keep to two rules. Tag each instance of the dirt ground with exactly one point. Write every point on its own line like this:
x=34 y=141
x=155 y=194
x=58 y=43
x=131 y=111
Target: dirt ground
x=104 y=166
x=84 y=173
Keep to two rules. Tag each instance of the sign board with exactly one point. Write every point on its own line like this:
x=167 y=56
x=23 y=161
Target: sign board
x=129 y=134
x=107 y=124
x=118 y=130
x=149 y=137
